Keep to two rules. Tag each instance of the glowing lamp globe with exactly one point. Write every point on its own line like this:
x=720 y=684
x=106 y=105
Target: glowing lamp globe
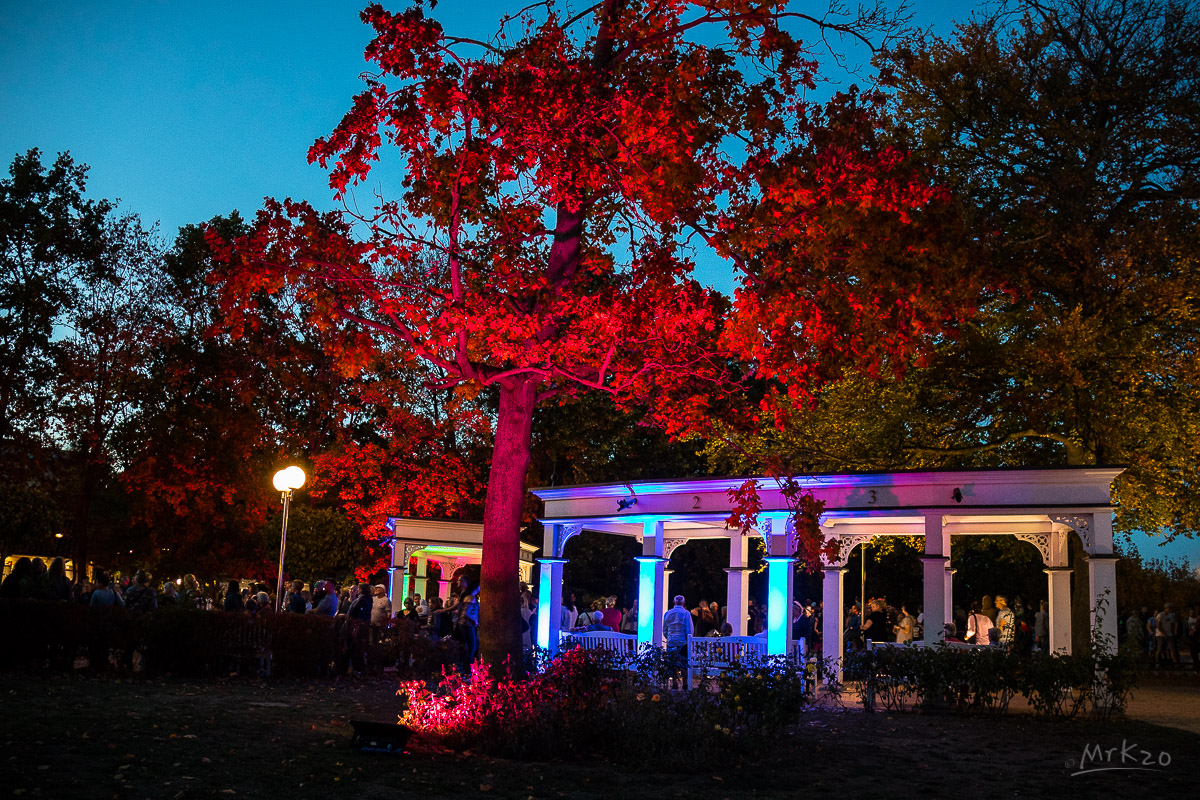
x=288 y=479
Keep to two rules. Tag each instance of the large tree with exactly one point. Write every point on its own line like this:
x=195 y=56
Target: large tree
x=51 y=237
x=1072 y=132
x=554 y=181
x=102 y=350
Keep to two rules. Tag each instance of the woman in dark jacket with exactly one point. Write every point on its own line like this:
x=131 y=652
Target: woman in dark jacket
x=233 y=598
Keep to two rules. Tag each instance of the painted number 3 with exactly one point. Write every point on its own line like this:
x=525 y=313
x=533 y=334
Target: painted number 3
x=872 y=500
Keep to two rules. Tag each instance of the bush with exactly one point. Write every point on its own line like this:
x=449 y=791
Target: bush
x=984 y=681
x=764 y=697
x=585 y=704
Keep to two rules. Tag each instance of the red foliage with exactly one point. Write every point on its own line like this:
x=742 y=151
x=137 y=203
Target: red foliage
x=549 y=178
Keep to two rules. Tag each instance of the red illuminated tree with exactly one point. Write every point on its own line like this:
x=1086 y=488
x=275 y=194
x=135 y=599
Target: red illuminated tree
x=553 y=184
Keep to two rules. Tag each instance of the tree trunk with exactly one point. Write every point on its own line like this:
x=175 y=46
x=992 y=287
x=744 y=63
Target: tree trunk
x=83 y=515
x=499 y=607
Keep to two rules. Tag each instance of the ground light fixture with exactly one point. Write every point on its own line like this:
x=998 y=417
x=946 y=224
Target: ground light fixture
x=285 y=481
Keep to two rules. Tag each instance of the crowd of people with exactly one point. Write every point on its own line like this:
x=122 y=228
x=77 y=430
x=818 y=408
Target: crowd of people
x=1161 y=635
x=991 y=621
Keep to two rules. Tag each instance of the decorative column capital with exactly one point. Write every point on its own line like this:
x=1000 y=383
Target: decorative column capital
x=561 y=534
x=650 y=559
x=670 y=545
x=848 y=542
x=551 y=560
x=409 y=549
x=1080 y=523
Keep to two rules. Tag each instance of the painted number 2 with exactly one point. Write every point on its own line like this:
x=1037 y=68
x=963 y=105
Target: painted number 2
x=695 y=501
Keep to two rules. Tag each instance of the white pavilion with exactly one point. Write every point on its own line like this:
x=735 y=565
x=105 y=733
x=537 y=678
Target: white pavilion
x=426 y=552
x=1040 y=506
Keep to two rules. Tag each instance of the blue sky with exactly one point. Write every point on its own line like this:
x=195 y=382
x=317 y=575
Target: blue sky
x=186 y=110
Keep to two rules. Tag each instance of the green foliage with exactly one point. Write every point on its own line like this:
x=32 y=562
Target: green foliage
x=766 y=697
x=1059 y=131
x=584 y=704
x=1149 y=582
x=321 y=543
x=50 y=238
x=984 y=680
x=29 y=518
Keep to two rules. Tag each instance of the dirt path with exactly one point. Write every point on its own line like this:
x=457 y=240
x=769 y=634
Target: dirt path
x=1174 y=702
x=84 y=737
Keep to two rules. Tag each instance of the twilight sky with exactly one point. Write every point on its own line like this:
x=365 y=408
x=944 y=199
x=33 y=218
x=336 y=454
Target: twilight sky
x=187 y=110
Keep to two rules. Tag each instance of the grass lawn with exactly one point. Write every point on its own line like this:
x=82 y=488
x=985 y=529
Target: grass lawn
x=75 y=736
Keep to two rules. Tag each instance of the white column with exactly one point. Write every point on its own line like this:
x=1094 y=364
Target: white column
x=420 y=586
x=652 y=585
x=1102 y=575
x=833 y=596
x=395 y=577
x=1102 y=581
x=949 y=619
x=779 y=604
x=935 y=560
x=549 y=619
x=779 y=585
x=1059 y=580
x=737 y=596
x=395 y=585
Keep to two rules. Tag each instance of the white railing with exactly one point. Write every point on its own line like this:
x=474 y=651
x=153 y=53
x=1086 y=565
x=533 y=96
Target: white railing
x=874 y=645
x=622 y=645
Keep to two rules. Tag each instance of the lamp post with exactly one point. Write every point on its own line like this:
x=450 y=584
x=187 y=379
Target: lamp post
x=285 y=481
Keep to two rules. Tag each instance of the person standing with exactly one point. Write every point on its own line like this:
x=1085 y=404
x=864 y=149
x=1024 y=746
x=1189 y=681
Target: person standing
x=569 y=612
x=327 y=604
x=854 y=629
x=381 y=609
x=1193 y=632
x=906 y=628
x=989 y=610
x=296 y=602
x=467 y=627
x=678 y=630
x=611 y=614
x=1041 y=626
x=978 y=627
x=875 y=628
x=1166 y=626
x=1006 y=621
x=629 y=623
x=104 y=595
x=140 y=597
x=233 y=598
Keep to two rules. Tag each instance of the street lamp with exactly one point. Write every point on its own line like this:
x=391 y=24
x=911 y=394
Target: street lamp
x=285 y=481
